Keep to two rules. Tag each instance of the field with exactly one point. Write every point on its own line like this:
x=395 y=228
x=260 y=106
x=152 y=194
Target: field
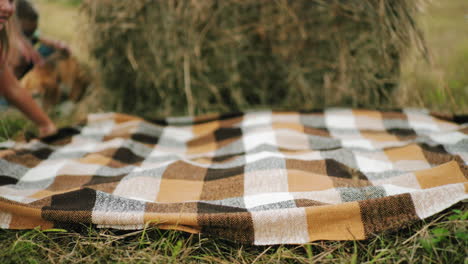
x=441 y=239
x=439 y=83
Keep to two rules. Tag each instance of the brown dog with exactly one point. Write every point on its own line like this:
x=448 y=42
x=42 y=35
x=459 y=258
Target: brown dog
x=61 y=77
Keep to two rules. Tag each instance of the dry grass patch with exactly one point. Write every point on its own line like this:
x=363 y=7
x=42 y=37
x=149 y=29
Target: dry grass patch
x=439 y=239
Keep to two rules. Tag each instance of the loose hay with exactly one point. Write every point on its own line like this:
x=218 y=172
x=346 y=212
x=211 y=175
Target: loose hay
x=201 y=56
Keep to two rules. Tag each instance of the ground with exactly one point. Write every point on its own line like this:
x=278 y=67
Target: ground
x=441 y=85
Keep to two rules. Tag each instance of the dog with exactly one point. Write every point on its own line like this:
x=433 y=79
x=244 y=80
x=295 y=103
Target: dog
x=60 y=78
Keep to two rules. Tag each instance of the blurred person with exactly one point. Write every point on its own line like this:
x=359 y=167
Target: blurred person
x=28 y=18
x=9 y=85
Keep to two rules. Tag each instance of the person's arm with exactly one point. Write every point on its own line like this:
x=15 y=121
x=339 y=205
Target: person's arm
x=22 y=99
x=26 y=49
x=23 y=46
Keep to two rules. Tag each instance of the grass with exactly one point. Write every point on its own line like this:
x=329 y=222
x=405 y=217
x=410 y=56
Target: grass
x=440 y=239
x=11 y=124
x=15 y=126
x=441 y=85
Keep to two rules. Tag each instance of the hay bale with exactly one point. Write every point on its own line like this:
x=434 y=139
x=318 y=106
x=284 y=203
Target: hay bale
x=191 y=56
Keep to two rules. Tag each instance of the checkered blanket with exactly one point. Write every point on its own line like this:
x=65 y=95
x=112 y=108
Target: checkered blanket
x=257 y=177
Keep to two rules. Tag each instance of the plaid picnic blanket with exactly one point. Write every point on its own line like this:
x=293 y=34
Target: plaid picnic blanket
x=255 y=177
